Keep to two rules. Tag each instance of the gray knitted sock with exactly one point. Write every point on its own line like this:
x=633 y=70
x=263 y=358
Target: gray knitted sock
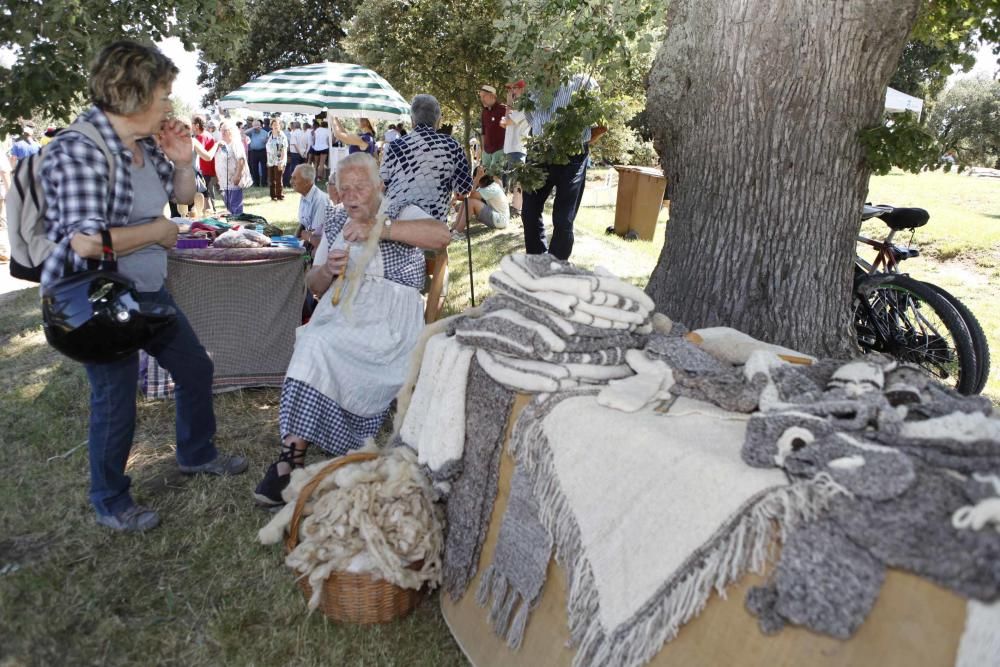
x=913 y=531
x=683 y=355
x=823 y=581
x=470 y=504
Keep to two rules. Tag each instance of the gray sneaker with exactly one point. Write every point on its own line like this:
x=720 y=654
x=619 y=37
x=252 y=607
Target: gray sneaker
x=223 y=464
x=135 y=519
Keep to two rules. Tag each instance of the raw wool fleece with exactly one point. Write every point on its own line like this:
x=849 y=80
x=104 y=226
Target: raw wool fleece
x=914 y=483
x=557 y=440
x=374 y=516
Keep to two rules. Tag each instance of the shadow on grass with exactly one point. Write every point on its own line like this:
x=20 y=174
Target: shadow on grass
x=19 y=313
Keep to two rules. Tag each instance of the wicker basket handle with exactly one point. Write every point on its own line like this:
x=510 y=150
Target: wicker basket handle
x=292 y=539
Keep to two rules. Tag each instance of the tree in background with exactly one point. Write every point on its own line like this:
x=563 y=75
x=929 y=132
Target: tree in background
x=278 y=35
x=440 y=47
x=55 y=41
x=547 y=42
x=966 y=118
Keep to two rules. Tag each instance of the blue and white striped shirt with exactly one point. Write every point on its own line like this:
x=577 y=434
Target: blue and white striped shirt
x=539 y=118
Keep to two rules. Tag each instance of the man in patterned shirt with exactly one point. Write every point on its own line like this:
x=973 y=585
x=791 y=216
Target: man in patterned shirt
x=425 y=168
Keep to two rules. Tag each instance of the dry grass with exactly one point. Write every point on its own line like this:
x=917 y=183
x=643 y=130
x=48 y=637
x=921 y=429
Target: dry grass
x=200 y=590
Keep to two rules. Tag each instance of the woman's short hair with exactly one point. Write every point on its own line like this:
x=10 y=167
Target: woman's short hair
x=362 y=161
x=425 y=110
x=124 y=75
x=227 y=124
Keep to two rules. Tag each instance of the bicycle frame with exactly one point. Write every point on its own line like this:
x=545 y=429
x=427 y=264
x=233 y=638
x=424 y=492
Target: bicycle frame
x=885 y=260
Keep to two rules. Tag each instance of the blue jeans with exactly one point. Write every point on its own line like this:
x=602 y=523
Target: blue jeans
x=112 y=408
x=257 y=161
x=568 y=181
x=233 y=199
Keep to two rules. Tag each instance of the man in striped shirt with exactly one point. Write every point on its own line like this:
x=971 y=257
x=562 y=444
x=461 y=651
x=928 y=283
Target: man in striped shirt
x=567 y=179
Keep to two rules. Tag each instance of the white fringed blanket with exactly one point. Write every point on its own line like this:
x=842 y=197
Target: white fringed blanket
x=649 y=514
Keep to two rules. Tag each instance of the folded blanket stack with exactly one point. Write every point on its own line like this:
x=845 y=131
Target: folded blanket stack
x=551 y=326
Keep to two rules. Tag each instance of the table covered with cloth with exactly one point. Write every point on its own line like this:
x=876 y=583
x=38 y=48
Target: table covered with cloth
x=914 y=622
x=244 y=304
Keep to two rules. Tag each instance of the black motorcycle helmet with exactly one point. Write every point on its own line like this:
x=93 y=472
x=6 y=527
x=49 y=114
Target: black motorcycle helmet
x=95 y=316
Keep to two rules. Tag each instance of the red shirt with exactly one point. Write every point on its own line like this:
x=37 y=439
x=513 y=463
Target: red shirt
x=493 y=134
x=207 y=167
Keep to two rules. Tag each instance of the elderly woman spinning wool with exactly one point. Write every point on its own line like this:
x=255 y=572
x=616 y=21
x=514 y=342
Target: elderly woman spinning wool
x=352 y=357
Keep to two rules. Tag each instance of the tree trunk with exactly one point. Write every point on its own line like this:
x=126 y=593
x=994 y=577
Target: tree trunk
x=755 y=107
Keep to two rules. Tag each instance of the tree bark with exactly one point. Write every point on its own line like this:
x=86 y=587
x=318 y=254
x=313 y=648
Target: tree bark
x=755 y=107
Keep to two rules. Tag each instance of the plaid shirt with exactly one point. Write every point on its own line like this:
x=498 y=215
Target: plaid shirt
x=75 y=182
x=424 y=168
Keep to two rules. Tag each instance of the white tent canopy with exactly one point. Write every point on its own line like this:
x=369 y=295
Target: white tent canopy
x=897 y=102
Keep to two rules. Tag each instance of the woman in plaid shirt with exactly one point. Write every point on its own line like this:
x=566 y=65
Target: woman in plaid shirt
x=130 y=90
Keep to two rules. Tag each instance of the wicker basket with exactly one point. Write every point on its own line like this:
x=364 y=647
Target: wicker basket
x=348 y=597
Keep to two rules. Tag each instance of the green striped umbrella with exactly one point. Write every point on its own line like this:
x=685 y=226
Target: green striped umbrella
x=343 y=89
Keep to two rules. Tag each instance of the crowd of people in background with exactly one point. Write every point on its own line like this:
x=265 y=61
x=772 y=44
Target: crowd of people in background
x=266 y=151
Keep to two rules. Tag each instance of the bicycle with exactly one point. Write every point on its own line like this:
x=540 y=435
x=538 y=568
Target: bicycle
x=915 y=321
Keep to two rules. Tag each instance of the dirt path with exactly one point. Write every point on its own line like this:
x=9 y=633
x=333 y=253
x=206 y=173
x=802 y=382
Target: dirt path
x=9 y=285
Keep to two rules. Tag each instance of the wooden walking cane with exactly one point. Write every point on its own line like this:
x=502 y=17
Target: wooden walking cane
x=468 y=243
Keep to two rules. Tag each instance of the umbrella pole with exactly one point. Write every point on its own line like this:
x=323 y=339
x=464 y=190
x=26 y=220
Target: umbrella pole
x=468 y=243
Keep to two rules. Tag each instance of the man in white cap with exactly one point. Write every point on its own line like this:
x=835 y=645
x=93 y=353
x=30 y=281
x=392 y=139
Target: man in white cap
x=493 y=132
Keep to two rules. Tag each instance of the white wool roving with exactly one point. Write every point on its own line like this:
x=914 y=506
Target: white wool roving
x=735 y=347
x=378 y=515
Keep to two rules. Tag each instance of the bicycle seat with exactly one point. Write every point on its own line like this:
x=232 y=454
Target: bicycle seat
x=905 y=218
x=869 y=211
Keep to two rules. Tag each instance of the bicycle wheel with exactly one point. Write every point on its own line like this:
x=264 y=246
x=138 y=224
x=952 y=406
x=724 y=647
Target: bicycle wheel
x=908 y=320
x=979 y=342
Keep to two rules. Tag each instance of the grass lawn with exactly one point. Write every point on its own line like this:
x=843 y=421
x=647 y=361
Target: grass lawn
x=199 y=590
